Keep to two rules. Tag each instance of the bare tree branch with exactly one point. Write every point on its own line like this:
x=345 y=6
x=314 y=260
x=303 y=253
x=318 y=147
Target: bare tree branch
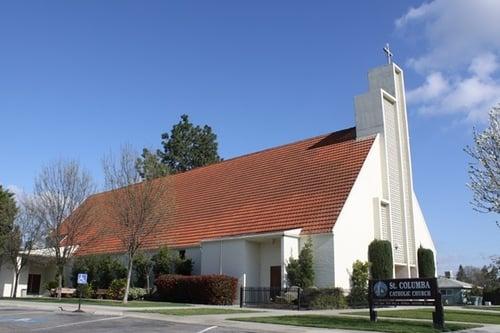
x=60 y=191
x=138 y=207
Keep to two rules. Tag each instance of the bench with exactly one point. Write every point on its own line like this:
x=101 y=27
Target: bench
x=101 y=293
x=65 y=292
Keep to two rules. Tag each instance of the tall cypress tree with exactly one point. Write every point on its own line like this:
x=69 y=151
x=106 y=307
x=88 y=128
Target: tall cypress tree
x=380 y=258
x=461 y=274
x=426 y=265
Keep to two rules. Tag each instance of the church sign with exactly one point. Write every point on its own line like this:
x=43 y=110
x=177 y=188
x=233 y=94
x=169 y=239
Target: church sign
x=406 y=292
x=404 y=289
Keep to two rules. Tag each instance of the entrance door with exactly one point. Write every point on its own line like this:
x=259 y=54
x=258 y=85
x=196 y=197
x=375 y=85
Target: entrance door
x=34 y=284
x=275 y=276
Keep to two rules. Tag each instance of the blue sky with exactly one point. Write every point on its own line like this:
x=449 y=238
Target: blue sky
x=81 y=78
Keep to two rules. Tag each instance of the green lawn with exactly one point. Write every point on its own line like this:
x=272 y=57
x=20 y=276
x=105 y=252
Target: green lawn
x=361 y=324
x=197 y=311
x=449 y=315
x=130 y=304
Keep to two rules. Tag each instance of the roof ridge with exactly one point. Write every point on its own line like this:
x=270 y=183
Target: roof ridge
x=267 y=150
x=286 y=144
x=245 y=155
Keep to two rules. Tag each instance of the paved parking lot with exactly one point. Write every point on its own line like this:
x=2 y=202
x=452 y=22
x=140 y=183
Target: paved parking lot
x=15 y=319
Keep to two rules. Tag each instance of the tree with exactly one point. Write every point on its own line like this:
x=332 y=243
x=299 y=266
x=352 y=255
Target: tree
x=186 y=147
x=142 y=267
x=484 y=171
x=426 y=265
x=150 y=165
x=486 y=277
x=300 y=272
x=380 y=258
x=59 y=207
x=23 y=237
x=137 y=207
x=88 y=265
x=163 y=261
x=101 y=270
x=8 y=212
x=460 y=273
x=183 y=266
x=359 y=284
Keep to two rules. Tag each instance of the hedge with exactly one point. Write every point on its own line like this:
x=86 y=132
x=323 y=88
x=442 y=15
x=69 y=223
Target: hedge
x=426 y=266
x=323 y=298
x=380 y=258
x=201 y=289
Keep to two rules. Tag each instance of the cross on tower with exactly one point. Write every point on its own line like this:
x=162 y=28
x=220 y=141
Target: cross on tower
x=388 y=53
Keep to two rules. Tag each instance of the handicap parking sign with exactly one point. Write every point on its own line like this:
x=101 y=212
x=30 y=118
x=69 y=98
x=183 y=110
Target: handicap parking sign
x=82 y=278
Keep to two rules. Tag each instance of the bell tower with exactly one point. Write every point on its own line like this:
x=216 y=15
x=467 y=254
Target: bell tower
x=382 y=111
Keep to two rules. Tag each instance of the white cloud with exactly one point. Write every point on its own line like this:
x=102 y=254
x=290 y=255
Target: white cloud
x=435 y=85
x=460 y=48
x=484 y=66
x=415 y=14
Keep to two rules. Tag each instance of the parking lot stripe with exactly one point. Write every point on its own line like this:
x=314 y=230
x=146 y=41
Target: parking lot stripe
x=207 y=329
x=77 y=323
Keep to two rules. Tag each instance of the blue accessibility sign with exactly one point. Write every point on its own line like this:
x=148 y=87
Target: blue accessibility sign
x=82 y=278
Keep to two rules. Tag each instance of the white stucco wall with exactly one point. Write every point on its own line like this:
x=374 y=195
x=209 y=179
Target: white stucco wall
x=226 y=257
x=210 y=258
x=289 y=249
x=270 y=255
x=194 y=253
x=7 y=278
x=354 y=229
x=422 y=235
x=324 y=267
x=46 y=271
x=252 y=264
x=249 y=260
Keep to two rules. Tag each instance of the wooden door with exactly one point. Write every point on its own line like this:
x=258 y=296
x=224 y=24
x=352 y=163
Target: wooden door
x=275 y=276
x=34 y=284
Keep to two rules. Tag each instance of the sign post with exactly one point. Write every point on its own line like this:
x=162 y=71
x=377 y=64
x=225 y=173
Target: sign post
x=406 y=292
x=81 y=280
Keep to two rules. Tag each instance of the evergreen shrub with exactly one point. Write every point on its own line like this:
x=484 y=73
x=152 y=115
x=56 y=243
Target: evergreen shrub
x=426 y=266
x=380 y=259
x=116 y=289
x=300 y=272
x=358 y=296
x=323 y=298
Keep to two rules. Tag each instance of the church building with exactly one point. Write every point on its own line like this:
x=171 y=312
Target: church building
x=247 y=216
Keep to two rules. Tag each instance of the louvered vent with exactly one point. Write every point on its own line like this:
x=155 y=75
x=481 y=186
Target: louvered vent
x=408 y=198
x=395 y=188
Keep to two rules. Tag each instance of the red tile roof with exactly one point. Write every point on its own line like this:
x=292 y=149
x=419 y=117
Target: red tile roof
x=298 y=185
